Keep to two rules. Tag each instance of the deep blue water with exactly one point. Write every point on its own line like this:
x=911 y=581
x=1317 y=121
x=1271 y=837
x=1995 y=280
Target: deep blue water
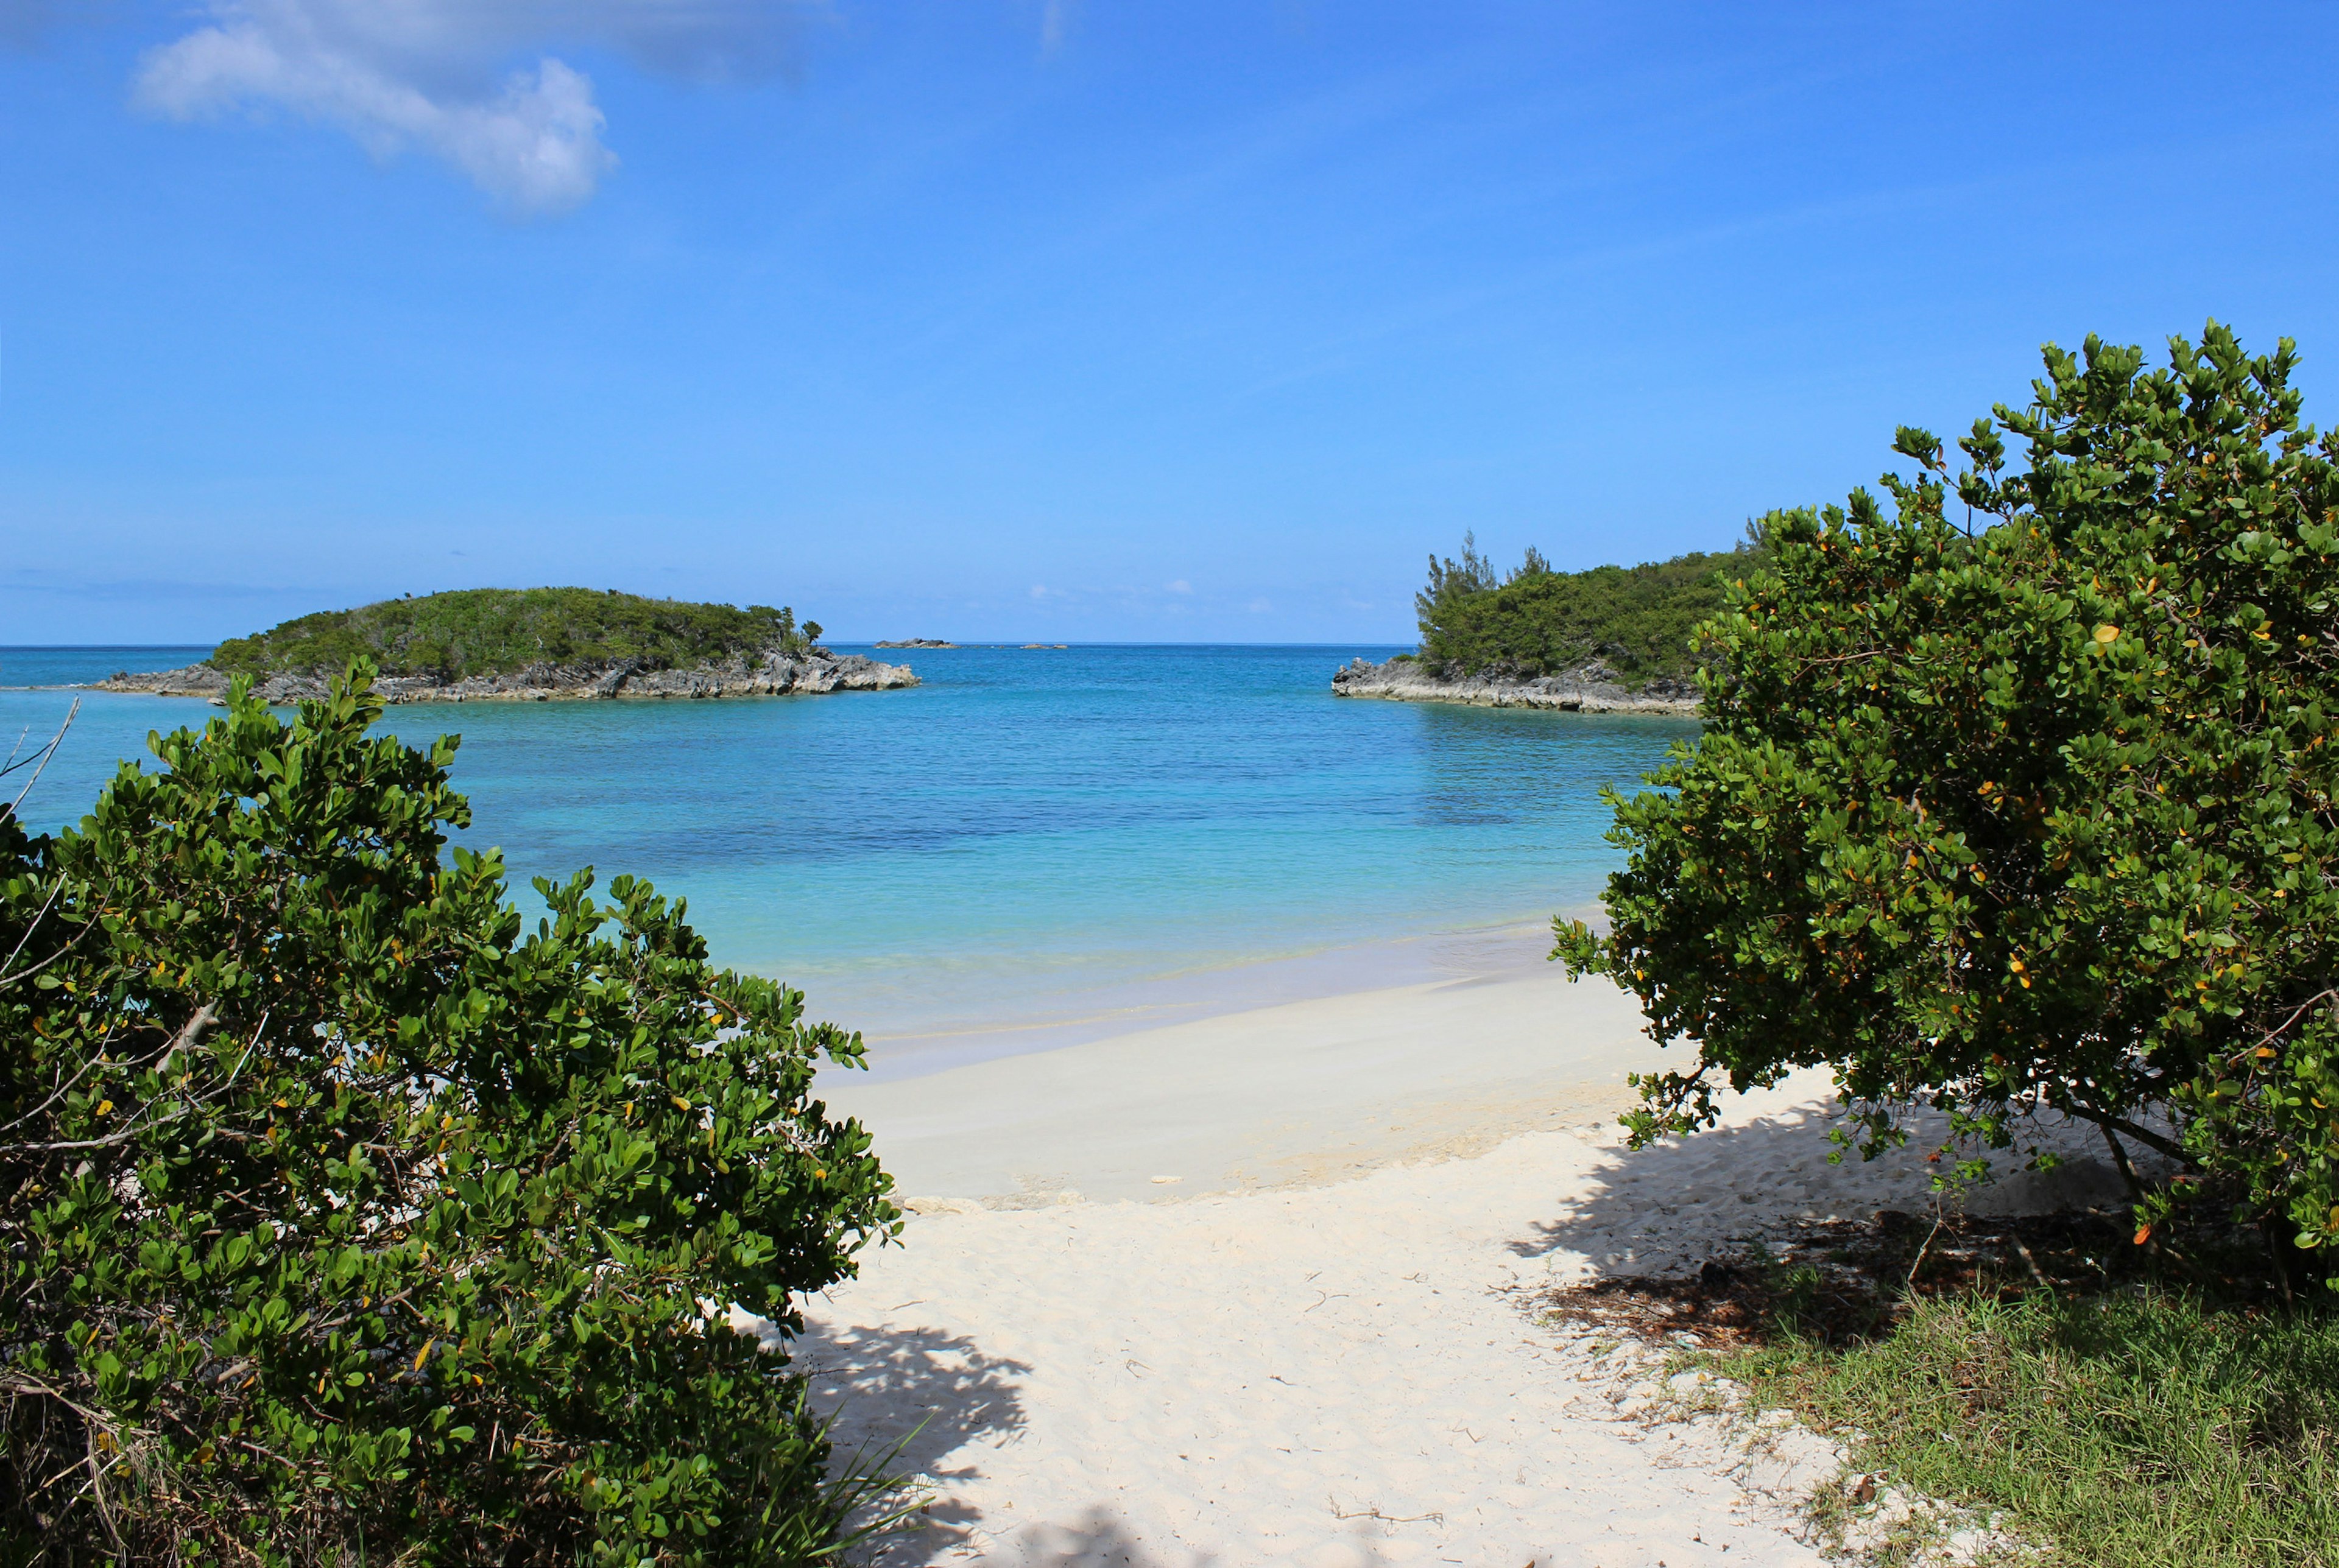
x=1025 y=825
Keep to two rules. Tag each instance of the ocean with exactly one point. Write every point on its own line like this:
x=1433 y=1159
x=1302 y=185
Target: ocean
x=1035 y=845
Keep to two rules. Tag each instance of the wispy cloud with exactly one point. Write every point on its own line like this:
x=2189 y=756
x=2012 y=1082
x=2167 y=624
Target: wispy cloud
x=1055 y=24
x=451 y=77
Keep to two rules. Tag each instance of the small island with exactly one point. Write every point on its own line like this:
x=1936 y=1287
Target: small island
x=1613 y=639
x=532 y=644
x=917 y=643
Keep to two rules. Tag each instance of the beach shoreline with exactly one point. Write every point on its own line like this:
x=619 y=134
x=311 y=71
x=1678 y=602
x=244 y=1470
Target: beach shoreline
x=1294 y=1093
x=915 y=1040
x=1325 y=1342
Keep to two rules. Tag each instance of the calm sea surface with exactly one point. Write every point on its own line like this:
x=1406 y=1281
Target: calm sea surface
x=1025 y=830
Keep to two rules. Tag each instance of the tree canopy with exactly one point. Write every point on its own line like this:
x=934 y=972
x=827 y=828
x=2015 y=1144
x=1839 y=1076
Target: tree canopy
x=345 y=1219
x=2023 y=800
x=499 y=631
x=1638 y=621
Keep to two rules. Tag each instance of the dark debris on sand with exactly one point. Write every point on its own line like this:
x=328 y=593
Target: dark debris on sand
x=1845 y=1281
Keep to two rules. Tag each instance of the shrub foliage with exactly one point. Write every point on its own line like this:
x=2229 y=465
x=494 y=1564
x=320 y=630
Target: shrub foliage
x=1638 y=621
x=344 y=1221
x=499 y=631
x=2032 y=815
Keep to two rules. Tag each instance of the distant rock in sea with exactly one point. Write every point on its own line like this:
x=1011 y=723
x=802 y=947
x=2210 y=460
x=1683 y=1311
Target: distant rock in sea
x=1593 y=689
x=772 y=675
x=917 y=643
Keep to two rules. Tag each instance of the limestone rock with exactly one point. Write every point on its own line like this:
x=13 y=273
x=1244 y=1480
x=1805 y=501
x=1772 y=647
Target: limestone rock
x=771 y=675
x=1592 y=689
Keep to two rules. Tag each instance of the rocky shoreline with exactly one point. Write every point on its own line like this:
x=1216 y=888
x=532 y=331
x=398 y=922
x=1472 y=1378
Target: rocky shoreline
x=773 y=675
x=1593 y=689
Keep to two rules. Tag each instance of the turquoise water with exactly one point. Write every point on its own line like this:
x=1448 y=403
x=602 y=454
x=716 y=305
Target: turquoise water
x=1026 y=829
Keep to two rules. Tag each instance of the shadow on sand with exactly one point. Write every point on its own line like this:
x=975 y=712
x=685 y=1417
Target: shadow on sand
x=934 y=1402
x=1098 y=1539
x=905 y=1401
x=1668 y=1206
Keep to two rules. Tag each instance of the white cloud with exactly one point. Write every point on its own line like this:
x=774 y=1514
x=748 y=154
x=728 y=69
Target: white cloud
x=1180 y=586
x=451 y=77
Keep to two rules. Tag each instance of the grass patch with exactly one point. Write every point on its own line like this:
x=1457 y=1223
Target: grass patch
x=2115 y=1405
x=2150 y=1426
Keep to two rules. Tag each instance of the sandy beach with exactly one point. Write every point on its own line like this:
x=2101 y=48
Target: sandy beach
x=1263 y=1288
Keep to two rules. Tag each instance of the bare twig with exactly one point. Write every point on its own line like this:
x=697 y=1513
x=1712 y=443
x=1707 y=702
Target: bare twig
x=33 y=924
x=1340 y=1512
x=203 y=1019
x=1938 y=1220
x=2143 y=1135
x=2029 y=1261
x=2296 y=1014
x=96 y=1059
x=2126 y=1170
x=96 y=1487
x=62 y=952
x=45 y=753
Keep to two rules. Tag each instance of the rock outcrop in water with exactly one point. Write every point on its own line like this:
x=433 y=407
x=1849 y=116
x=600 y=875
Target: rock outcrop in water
x=773 y=675
x=919 y=643
x=1592 y=689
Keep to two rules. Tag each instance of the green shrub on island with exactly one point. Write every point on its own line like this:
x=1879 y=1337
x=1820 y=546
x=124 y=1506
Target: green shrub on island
x=1638 y=621
x=347 y=1221
x=499 y=631
x=2032 y=816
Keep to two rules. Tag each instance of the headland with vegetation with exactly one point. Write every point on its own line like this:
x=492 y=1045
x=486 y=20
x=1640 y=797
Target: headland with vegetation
x=1613 y=639
x=531 y=644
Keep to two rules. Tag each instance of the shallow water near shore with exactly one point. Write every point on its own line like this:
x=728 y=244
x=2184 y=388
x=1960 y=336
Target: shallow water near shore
x=1032 y=847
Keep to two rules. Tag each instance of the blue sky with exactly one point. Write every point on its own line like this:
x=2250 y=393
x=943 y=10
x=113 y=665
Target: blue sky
x=1029 y=318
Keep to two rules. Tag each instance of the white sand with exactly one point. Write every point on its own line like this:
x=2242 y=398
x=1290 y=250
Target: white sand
x=1306 y=1092
x=1284 y=1370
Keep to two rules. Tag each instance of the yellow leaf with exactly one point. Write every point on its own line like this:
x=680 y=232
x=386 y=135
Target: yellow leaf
x=2266 y=1052
x=103 y=1106
x=2106 y=635
x=424 y=1354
